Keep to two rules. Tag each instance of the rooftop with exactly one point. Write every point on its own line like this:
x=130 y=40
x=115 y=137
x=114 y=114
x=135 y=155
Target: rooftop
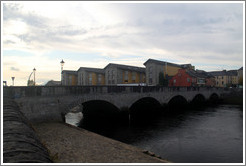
x=70 y=72
x=89 y=69
x=52 y=83
x=161 y=62
x=127 y=67
x=167 y=63
x=199 y=73
x=224 y=73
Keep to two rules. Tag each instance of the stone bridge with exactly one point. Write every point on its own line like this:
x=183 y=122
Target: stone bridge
x=46 y=103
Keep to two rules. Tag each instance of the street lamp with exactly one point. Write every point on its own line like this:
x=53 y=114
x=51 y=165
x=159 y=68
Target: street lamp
x=13 y=79
x=62 y=64
x=34 y=70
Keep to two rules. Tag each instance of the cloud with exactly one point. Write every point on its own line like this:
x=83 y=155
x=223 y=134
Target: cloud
x=197 y=33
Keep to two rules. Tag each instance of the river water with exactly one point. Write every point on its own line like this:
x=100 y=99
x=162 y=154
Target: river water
x=208 y=135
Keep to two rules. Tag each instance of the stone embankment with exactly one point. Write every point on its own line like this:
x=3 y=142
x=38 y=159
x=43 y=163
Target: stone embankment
x=20 y=142
x=69 y=144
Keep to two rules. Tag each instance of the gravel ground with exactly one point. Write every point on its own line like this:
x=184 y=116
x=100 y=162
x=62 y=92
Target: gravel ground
x=69 y=144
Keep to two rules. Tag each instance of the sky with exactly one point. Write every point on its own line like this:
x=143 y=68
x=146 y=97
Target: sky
x=92 y=34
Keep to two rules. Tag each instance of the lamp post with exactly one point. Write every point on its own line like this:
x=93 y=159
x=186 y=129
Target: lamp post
x=13 y=80
x=62 y=64
x=34 y=70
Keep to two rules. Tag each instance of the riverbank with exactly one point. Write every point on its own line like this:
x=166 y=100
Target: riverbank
x=69 y=144
x=233 y=98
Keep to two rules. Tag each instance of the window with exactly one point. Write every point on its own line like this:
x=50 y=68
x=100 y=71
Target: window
x=174 y=81
x=188 y=79
x=81 y=79
x=108 y=75
x=222 y=82
x=150 y=81
x=143 y=78
x=90 y=79
x=99 y=79
x=126 y=76
x=222 y=77
x=133 y=77
x=150 y=69
x=113 y=74
x=70 y=80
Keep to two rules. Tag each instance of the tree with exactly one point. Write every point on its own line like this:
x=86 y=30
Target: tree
x=162 y=80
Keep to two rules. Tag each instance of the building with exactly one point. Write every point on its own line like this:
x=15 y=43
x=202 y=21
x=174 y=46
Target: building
x=227 y=78
x=188 y=77
x=53 y=83
x=155 y=67
x=240 y=76
x=232 y=78
x=91 y=76
x=209 y=78
x=123 y=74
x=221 y=78
x=69 y=77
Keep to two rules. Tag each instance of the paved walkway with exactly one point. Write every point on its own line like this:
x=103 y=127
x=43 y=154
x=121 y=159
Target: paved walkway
x=69 y=144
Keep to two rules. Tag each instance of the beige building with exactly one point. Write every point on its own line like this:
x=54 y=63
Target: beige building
x=123 y=74
x=69 y=77
x=226 y=78
x=155 y=67
x=233 y=78
x=240 y=76
x=221 y=78
x=91 y=76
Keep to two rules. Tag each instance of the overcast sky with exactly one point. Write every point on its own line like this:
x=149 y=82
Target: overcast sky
x=83 y=34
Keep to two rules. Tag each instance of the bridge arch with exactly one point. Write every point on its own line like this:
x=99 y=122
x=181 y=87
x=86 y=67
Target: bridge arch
x=145 y=101
x=177 y=101
x=198 y=98
x=101 y=113
x=144 y=108
x=99 y=105
x=214 y=98
x=83 y=100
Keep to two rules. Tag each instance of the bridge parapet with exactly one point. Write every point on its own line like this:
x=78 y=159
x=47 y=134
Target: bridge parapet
x=31 y=91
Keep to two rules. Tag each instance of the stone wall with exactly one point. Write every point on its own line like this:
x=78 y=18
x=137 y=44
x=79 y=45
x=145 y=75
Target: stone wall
x=20 y=142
